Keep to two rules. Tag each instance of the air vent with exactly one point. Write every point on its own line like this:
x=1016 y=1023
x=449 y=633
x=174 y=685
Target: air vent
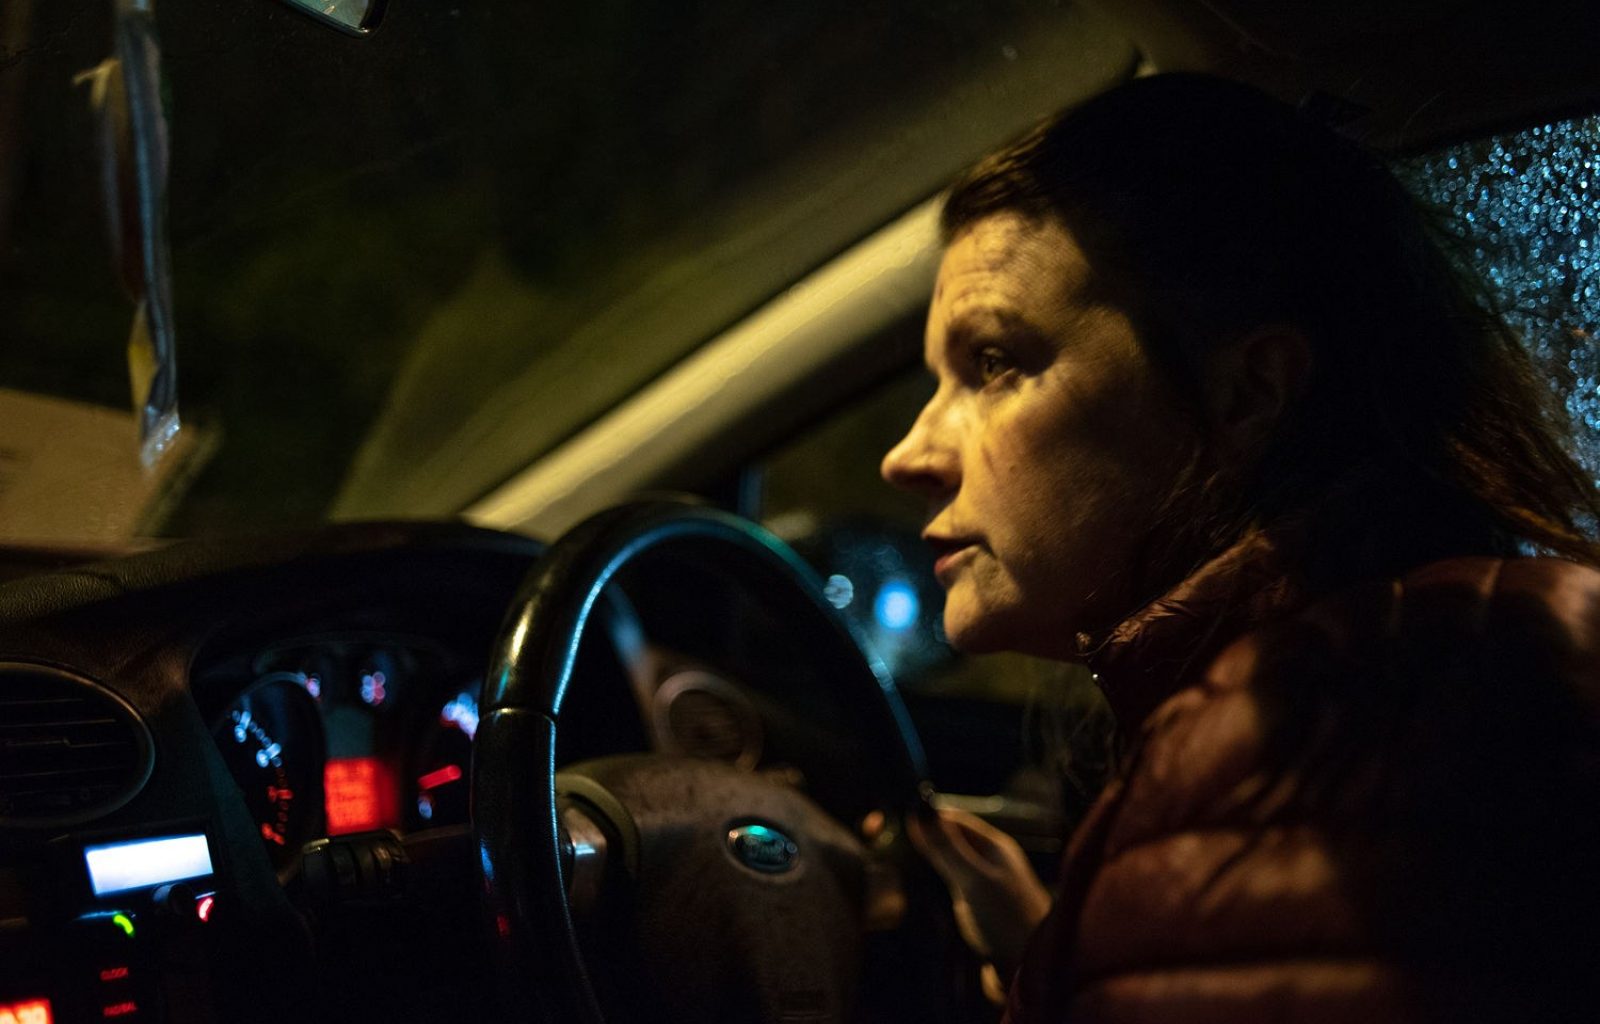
x=70 y=750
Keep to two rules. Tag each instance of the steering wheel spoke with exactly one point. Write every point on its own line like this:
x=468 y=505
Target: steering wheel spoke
x=745 y=900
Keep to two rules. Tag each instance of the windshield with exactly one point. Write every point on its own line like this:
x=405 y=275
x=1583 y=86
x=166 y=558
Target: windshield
x=406 y=265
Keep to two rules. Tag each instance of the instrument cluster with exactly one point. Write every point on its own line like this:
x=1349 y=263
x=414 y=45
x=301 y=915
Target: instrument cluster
x=335 y=735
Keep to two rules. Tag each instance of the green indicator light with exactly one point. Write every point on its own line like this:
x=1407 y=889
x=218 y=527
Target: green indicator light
x=124 y=922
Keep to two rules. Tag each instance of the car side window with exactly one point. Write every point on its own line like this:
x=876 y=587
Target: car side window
x=1526 y=205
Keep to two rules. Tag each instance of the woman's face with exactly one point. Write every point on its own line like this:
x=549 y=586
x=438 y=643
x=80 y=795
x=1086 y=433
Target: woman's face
x=1044 y=448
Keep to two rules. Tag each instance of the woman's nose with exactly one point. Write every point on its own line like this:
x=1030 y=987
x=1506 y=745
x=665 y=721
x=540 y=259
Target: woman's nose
x=922 y=463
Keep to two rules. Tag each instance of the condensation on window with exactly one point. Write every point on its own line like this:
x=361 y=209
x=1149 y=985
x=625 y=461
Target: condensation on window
x=1528 y=205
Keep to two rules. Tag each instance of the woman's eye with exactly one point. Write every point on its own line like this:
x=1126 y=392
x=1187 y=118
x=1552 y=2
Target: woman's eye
x=991 y=363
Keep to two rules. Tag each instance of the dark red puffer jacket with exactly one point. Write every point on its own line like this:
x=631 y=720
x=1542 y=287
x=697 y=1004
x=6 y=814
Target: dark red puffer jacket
x=1385 y=807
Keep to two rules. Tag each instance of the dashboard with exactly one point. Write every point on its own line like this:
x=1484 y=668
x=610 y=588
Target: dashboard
x=321 y=691
x=176 y=726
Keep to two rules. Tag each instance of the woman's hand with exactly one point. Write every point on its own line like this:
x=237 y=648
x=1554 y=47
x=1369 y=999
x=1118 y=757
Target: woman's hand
x=998 y=899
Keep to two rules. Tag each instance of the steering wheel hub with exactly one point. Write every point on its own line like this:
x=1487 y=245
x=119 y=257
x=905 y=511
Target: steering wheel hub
x=761 y=847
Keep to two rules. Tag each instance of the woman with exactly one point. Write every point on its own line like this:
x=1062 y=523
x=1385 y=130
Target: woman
x=1217 y=415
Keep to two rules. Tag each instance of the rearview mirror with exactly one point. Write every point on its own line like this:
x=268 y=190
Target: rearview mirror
x=356 y=17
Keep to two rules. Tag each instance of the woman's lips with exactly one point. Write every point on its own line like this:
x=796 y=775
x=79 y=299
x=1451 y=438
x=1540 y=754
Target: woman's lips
x=947 y=553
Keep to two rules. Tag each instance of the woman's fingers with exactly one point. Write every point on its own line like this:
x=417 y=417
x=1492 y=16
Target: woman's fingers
x=963 y=847
x=998 y=899
x=981 y=844
x=942 y=842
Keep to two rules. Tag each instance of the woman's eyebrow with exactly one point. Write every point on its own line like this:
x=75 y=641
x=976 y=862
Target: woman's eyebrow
x=995 y=325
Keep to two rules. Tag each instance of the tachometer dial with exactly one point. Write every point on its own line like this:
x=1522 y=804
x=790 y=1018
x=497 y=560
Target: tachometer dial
x=272 y=742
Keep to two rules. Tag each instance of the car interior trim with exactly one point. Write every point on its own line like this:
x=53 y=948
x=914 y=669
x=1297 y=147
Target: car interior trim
x=798 y=335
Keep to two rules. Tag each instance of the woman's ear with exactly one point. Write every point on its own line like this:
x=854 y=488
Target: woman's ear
x=1252 y=382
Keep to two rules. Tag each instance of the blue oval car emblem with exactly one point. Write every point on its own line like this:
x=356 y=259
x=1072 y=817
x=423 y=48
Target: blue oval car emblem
x=763 y=848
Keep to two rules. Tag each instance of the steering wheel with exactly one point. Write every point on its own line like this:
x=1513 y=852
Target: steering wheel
x=741 y=898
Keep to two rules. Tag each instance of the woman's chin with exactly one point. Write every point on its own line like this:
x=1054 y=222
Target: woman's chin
x=973 y=632
x=985 y=629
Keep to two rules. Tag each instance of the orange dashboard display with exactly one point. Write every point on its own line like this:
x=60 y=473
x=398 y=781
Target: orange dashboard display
x=360 y=794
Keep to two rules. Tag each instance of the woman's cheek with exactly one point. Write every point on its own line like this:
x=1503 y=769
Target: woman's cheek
x=1025 y=453
x=1009 y=429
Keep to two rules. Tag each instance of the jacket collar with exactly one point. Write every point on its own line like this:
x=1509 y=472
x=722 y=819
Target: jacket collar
x=1156 y=651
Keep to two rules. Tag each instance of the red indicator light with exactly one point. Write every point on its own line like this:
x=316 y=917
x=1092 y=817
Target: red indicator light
x=113 y=974
x=438 y=777
x=28 y=1011
x=121 y=1009
x=202 y=907
x=360 y=795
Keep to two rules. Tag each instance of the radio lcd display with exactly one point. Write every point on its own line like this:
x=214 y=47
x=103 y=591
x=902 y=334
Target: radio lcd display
x=141 y=863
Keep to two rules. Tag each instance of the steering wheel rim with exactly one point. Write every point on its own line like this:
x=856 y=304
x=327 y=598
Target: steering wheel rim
x=514 y=798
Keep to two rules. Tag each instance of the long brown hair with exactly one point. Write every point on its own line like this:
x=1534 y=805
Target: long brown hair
x=1207 y=209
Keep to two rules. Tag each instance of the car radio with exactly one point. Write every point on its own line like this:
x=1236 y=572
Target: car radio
x=125 y=936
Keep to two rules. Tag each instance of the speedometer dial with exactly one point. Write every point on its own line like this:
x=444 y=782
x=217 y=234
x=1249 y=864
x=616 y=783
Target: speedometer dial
x=271 y=740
